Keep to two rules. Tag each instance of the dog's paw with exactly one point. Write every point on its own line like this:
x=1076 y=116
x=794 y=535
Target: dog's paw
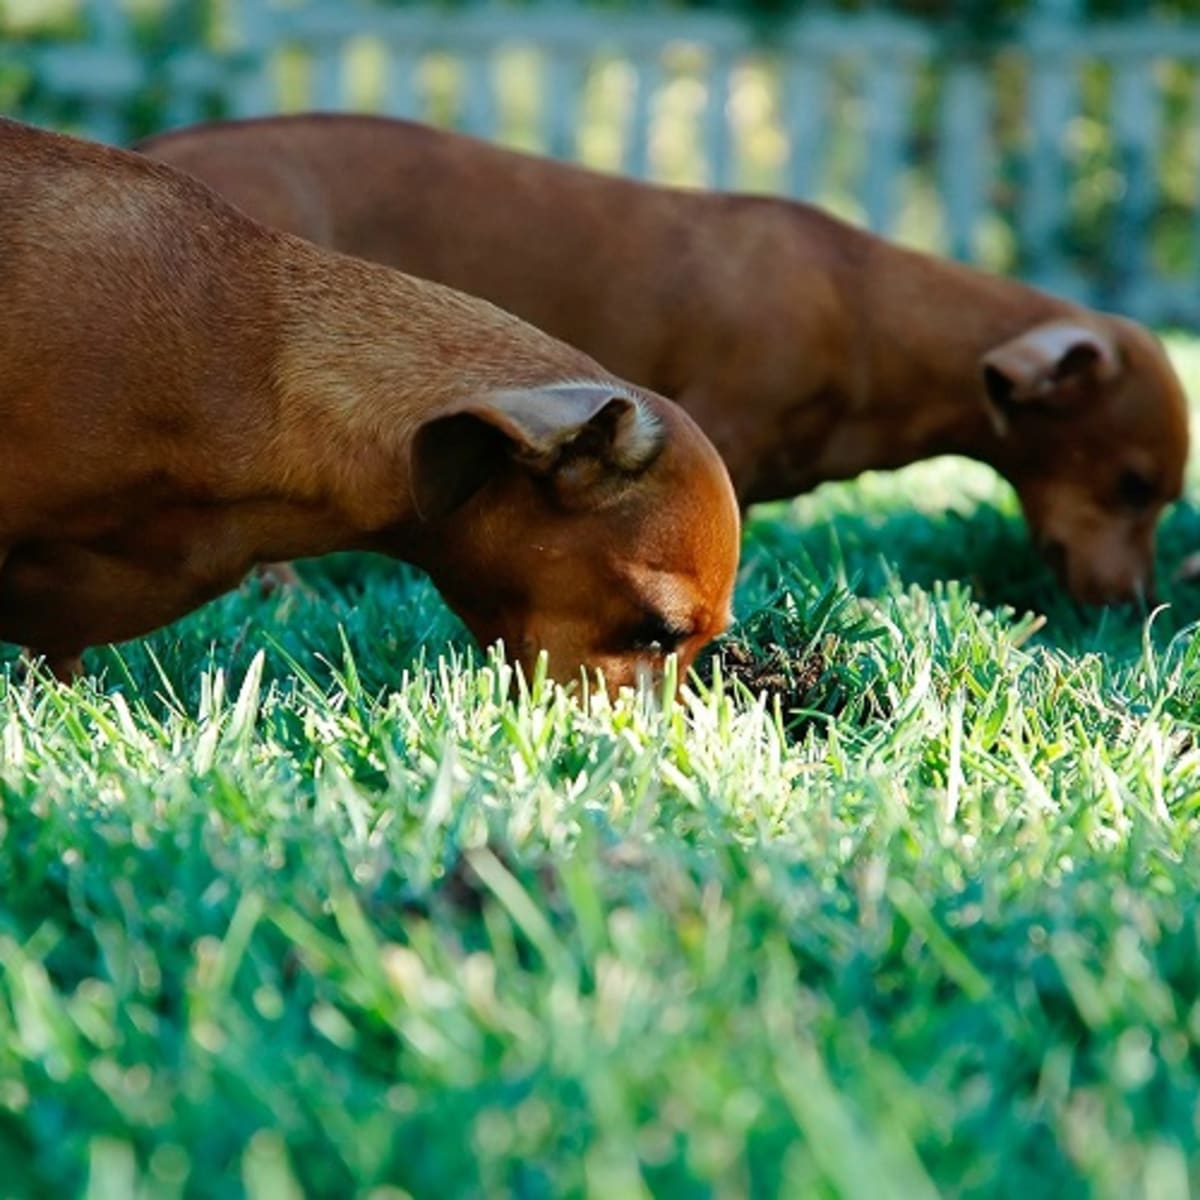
x=277 y=576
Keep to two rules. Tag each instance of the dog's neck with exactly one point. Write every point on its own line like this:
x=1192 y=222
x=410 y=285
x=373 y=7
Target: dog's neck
x=913 y=386
x=364 y=363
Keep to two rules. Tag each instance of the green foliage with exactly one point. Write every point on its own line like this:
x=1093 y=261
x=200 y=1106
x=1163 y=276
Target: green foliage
x=305 y=898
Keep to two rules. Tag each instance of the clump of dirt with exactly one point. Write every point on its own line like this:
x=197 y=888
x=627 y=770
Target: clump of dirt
x=775 y=671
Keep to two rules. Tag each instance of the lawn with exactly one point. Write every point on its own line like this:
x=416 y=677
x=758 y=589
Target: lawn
x=296 y=900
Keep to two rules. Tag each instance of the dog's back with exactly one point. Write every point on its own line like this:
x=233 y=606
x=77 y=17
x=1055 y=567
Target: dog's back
x=805 y=348
x=554 y=243
x=116 y=274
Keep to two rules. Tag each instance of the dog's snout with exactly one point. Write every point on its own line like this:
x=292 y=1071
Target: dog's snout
x=1133 y=591
x=1102 y=567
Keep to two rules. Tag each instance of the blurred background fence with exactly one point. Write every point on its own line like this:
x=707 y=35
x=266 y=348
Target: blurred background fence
x=1056 y=139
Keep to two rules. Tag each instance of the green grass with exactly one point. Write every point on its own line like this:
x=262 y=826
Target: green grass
x=295 y=900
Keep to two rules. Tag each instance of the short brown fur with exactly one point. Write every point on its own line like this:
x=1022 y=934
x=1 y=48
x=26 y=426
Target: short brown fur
x=184 y=393
x=807 y=350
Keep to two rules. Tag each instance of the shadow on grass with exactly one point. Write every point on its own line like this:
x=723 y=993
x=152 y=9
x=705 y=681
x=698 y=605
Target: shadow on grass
x=986 y=548
x=871 y=538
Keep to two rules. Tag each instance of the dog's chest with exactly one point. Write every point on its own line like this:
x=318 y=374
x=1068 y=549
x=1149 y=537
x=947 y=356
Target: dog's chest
x=810 y=442
x=124 y=578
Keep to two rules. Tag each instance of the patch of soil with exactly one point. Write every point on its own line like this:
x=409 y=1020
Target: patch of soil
x=775 y=671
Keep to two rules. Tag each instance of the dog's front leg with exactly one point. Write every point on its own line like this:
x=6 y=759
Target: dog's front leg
x=66 y=668
x=273 y=577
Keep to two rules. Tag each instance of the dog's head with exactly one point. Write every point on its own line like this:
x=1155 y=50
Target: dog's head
x=584 y=519
x=1092 y=426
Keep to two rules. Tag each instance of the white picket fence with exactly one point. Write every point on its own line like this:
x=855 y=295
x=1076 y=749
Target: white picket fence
x=1070 y=154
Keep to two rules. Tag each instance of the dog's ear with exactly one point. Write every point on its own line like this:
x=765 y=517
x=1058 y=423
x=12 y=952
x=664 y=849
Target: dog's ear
x=1053 y=366
x=577 y=435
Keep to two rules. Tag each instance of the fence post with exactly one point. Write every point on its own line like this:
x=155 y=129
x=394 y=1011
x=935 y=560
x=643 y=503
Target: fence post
x=401 y=96
x=1051 y=99
x=251 y=91
x=718 y=144
x=477 y=98
x=326 y=84
x=112 y=41
x=648 y=80
x=962 y=154
x=888 y=102
x=563 y=77
x=1135 y=130
x=805 y=107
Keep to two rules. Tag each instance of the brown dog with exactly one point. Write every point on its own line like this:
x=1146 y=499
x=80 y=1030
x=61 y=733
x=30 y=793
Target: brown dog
x=185 y=393
x=806 y=349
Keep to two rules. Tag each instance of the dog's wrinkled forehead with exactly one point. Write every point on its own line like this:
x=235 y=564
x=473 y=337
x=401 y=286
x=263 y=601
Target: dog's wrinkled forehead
x=1090 y=402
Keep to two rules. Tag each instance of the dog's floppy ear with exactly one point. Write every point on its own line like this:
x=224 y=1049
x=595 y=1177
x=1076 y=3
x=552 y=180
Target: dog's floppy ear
x=578 y=434
x=1051 y=365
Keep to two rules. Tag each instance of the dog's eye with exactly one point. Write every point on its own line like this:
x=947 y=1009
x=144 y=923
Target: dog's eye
x=1135 y=490
x=657 y=634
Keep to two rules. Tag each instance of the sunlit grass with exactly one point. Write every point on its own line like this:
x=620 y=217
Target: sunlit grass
x=303 y=896
x=306 y=896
